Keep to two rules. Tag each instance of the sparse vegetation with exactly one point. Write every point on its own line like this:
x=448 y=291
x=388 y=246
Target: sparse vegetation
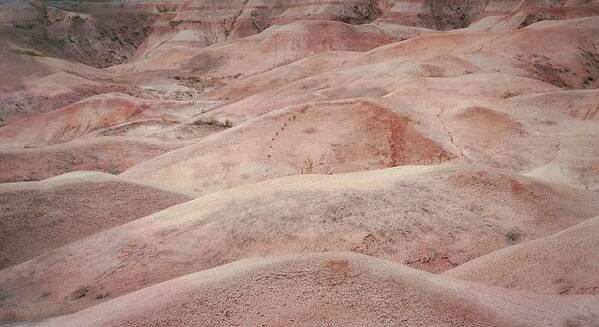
x=80 y=292
x=450 y=14
x=214 y=122
x=109 y=38
x=4 y=295
x=103 y=295
x=537 y=17
x=78 y=19
x=513 y=236
x=509 y=94
x=308 y=166
x=24 y=26
x=166 y=7
x=196 y=82
x=27 y=52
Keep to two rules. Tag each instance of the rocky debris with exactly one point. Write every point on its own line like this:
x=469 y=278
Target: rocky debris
x=101 y=38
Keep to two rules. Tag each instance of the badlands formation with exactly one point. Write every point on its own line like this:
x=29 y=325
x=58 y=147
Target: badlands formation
x=299 y=163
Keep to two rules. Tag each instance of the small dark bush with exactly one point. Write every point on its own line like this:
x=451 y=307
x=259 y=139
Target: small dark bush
x=513 y=236
x=213 y=122
x=80 y=292
x=102 y=295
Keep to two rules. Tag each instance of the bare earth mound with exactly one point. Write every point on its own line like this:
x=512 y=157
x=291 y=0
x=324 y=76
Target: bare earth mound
x=338 y=289
x=76 y=120
x=336 y=137
x=96 y=116
x=292 y=162
x=564 y=263
x=37 y=217
x=431 y=218
x=110 y=154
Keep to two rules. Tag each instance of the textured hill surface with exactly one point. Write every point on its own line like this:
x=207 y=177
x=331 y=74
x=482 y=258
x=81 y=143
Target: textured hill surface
x=337 y=137
x=429 y=218
x=321 y=289
x=564 y=263
x=41 y=216
x=295 y=162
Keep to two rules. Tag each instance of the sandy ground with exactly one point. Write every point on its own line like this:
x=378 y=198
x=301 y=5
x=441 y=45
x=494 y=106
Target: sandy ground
x=433 y=219
x=332 y=289
x=354 y=162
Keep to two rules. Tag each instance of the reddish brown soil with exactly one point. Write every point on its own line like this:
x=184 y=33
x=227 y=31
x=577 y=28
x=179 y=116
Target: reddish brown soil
x=338 y=137
x=111 y=155
x=458 y=138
